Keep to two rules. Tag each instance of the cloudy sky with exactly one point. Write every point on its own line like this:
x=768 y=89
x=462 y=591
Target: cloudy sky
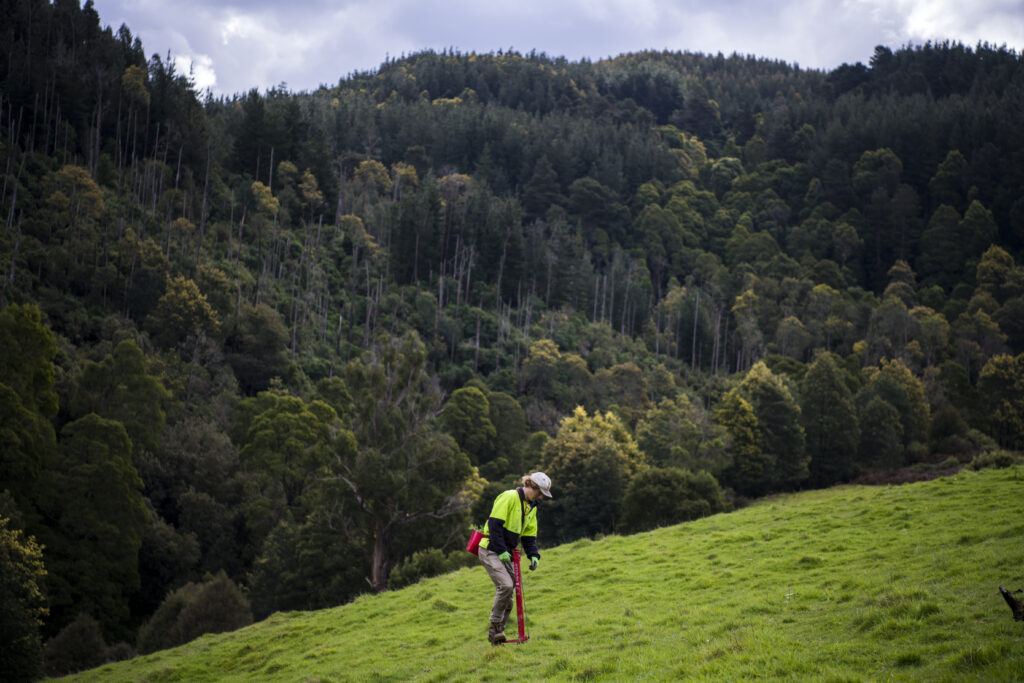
x=234 y=45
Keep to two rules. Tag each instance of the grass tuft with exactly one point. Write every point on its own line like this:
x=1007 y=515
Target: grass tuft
x=445 y=606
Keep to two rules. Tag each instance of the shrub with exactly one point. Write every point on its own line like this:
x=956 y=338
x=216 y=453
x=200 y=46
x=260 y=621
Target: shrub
x=996 y=459
x=219 y=606
x=916 y=452
x=427 y=563
x=980 y=441
x=660 y=497
x=153 y=634
x=78 y=646
x=952 y=462
x=119 y=652
x=214 y=606
x=305 y=567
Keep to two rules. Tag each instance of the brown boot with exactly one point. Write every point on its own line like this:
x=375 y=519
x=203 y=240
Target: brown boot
x=504 y=621
x=496 y=633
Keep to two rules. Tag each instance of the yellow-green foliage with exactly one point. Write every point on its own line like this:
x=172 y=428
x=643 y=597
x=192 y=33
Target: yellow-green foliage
x=850 y=584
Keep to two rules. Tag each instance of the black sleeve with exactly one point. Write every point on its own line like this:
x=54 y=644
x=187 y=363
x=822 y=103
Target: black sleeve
x=496 y=534
x=530 y=546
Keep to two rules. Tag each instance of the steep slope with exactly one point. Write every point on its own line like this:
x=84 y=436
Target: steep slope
x=851 y=583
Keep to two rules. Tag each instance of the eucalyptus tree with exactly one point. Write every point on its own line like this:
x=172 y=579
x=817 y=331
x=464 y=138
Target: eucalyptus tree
x=397 y=469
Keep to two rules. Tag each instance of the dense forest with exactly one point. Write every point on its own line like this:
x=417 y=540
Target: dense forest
x=270 y=351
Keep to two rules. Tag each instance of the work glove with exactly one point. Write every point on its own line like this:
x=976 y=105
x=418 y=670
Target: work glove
x=505 y=556
x=534 y=562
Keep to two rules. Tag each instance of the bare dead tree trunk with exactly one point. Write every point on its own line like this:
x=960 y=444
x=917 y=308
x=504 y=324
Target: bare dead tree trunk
x=177 y=173
x=156 y=148
x=270 y=172
x=95 y=147
x=476 y=353
x=625 y=299
x=14 y=193
x=369 y=306
x=202 y=211
x=693 y=343
x=657 y=333
x=295 y=314
x=380 y=563
x=611 y=301
x=469 y=272
x=529 y=312
x=440 y=297
x=118 y=140
x=128 y=282
x=32 y=135
x=714 y=353
x=238 y=244
x=604 y=295
x=9 y=280
x=724 y=358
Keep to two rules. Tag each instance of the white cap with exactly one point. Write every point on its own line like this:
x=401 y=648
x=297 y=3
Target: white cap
x=543 y=482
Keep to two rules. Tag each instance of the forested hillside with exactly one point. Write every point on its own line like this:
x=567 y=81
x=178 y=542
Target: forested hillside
x=272 y=350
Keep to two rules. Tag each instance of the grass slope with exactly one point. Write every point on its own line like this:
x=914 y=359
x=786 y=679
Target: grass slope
x=845 y=584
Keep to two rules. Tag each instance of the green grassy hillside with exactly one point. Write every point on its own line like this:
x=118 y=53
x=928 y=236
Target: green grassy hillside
x=845 y=584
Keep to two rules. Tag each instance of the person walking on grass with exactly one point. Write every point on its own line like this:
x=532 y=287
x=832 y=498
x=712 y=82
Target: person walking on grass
x=513 y=520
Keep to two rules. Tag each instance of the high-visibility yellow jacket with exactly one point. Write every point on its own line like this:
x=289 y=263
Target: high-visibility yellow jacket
x=513 y=519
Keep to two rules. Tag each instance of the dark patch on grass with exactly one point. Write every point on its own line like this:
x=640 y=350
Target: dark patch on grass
x=589 y=673
x=808 y=561
x=1012 y=532
x=909 y=659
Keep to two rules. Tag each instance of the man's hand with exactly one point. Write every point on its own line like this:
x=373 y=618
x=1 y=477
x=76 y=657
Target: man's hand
x=534 y=562
x=505 y=556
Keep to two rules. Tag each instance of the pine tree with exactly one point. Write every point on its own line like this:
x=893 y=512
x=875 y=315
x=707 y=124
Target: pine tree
x=830 y=422
x=778 y=415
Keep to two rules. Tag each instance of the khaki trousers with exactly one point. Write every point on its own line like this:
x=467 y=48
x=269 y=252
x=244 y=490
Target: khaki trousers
x=504 y=586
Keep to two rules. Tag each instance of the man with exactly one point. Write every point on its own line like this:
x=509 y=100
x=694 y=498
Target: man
x=513 y=520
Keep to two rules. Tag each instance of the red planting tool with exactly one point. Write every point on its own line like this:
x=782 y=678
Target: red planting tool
x=520 y=611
